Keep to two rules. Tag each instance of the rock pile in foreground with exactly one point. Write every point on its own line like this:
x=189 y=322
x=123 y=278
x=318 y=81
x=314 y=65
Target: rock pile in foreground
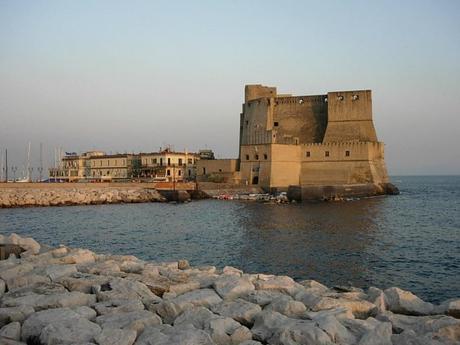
x=24 y=197
x=74 y=296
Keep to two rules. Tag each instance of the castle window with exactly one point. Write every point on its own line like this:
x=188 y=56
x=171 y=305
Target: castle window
x=300 y=101
x=168 y=172
x=247 y=123
x=308 y=153
x=179 y=173
x=265 y=156
x=355 y=97
x=325 y=99
x=220 y=170
x=347 y=153
x=247 y=157
x=256 y=157
x=326 y=153
x=275 y=124
x=340 y=98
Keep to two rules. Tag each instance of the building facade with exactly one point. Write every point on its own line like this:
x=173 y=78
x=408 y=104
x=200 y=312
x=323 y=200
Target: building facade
x=168 y=165
x=117 y=167
x=74 y=167
x=322 y=144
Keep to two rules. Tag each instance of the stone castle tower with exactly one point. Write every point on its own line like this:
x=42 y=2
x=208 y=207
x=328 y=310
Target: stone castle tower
x=321 y=146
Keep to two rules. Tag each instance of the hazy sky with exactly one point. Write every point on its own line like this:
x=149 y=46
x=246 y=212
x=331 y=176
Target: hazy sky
x=137 y=75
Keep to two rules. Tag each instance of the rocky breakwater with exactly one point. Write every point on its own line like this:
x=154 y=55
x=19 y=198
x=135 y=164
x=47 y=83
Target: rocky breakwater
x=26 y=197
x=74 y=296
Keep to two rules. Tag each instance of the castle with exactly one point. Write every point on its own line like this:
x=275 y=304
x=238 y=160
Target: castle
x=316 y=147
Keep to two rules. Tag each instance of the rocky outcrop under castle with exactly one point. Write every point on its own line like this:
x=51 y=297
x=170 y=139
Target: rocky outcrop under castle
x=74 y=296
x=27 y=197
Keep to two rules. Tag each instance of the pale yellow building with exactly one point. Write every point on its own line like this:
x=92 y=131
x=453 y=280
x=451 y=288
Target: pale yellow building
x=168 y=165
x=114 y=167
x=74 y=167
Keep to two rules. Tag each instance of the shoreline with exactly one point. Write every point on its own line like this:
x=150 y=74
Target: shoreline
x=65 y=295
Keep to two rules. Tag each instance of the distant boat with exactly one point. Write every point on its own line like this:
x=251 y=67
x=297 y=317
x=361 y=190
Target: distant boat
x=28 y=177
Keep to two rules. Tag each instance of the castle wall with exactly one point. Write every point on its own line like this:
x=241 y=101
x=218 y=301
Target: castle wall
x=255 y=119
x=255 y=163
x=252 y=92
x=350 y=117
x=343 y=163
x=298 y=120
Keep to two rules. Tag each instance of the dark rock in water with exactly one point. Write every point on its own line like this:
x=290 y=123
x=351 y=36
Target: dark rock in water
x=175 y=195
x=7 y=249
x=391 y=189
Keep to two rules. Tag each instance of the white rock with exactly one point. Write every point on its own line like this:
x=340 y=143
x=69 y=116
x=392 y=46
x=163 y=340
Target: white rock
x=135 y=320
x=69 y=332
x=282 y=284
x=287 y=306
x=33 y=325
x=167 y=335
x=232 y=270
x=11 y=331
x=410 y=338
x=418 y=324
x=361 y=309
x=262 y=297
x=404 y=302
x=55 y=272
x=118 y=306
x=198 y=317
x=13 y=314
x=170 y=309
x=226 y=331
x=116 y=337
x=85 y=312
x=336 y=331
x=275 y=328
x=231 y=286
x=380 y=335
x=239 y=310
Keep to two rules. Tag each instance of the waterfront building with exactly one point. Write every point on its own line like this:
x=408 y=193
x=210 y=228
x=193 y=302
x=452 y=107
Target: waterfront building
x=116 y=167
x=73 y=167
x=168 y=165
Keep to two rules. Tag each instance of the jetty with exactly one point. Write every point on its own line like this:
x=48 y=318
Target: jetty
x=63 y=295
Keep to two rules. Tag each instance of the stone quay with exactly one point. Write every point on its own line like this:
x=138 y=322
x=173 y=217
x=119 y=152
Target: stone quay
x=68 y=295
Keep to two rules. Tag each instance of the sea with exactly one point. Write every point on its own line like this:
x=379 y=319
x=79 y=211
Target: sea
x=411 y=240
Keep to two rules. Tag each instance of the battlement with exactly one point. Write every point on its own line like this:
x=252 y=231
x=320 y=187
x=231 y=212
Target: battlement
x=256 y=91
x=301 y=99
x=353 y=143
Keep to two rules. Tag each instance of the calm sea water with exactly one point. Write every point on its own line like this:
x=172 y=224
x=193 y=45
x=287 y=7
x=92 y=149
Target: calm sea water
x=411 y=240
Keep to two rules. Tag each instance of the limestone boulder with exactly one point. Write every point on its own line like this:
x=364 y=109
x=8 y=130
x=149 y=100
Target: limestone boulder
x=380 y=335
x=197 y=316
x=226 y=331
x=83 y=282
x=118 y=306
x=26 y=243
x=119 y=288
x=116 y=337
x=262 y=297
x=283 y=284
x=334 y=329
x=54 y=272
x=11 y=331
x=404 y=302
x=135 y=320
x=239 y=310
x=69 y=332
x=13 y=314
x=170 y=309
x=167 y=335
x=34 y=324
x=274 y=328
x=361 y=309
x=233 y=286
x=286 y=305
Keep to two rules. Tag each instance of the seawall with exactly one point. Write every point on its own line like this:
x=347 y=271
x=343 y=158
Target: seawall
x=46 y=195
x=67 y=295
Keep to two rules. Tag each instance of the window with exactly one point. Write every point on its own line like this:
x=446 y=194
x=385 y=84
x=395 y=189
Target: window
x=169 y=161
x=247 y=123
x=108 y=162
x=247 y=157
x=256 y=157
x=190 y=161
x=340 y=98
x=265 y=156
x=355 y=97
x=204 y=171
x=161 y=161
x=347 y=153
x=326 y=153
x=275 y=124
x=180 y=161
x=179 y=173
x=100 y=162
x=189 y=172
x=168 y=172
x=308 y=153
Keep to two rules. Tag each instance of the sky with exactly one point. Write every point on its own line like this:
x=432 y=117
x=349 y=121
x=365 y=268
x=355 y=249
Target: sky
x=130 y=76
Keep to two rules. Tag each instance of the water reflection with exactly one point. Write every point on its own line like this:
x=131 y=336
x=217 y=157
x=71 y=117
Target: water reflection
x=306 y=240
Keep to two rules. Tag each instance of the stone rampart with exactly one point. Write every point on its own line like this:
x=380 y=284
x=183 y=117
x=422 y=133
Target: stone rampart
x=28 y=197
